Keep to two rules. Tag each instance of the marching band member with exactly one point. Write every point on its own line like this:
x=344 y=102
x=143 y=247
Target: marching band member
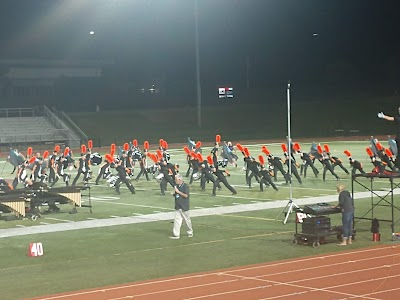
x=325 y=160
x=254 y=167
x=104 y=170
x=22 y=176
x=246 y=159
x=379 y=167
x=206 y=175
x=37 y=170
x=230 y=155
x=276 y=163
x=127 y=158
x=396 y=120
x=214 y=151
x=122 y=177
x=335 y=161
x=143 y=162
x=385 y=155
x=356 y=165
x=290 y=159
x=62 y=165
x=265 y=175
x=83 y=167
x=307 y=161
x=52 y=164
x=195 y=166
x=164 y=150
x=221 y=177
x=166 y=169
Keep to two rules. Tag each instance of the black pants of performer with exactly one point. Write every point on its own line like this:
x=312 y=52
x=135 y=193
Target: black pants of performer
x=341 y=166
x=355 y=169
x=295 y=173
x=253 y=174
x=101 y=174
x=328 y=167
x=15 y=183
x=127 y=182
x=247 y=175
x=207 y=177
x=191 y=177
x=38 y=177
x=52 y=175
x=279 y=167
x=85 y=176
x=387 y=161
x=246 y=165
x=267 y=181
x=397 y=161
x=35 y=176
x=142 y=171
x=303 y=168
x=163 y=184
x=225 y=182
x=51 y=203
x=65 y=177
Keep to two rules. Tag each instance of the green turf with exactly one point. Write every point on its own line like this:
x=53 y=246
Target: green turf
x=239 y=121
x=96 y=257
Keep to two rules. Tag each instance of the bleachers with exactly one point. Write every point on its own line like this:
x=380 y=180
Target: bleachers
x=15 y=130
x=33 y=126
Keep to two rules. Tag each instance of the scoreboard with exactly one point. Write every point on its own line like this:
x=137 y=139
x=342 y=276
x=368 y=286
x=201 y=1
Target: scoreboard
x=225 y=92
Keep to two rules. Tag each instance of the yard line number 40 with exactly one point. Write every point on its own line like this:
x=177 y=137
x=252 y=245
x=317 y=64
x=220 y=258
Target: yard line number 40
x=35 y=249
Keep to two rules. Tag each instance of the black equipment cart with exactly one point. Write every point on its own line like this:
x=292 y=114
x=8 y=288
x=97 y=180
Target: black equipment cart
x=315 y=224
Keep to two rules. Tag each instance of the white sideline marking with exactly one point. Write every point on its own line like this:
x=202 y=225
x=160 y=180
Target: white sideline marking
x=104 y=198
x=62 y=220
x=138 y=205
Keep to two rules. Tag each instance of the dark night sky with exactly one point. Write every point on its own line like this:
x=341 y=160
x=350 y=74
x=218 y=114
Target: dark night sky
x=155 y=38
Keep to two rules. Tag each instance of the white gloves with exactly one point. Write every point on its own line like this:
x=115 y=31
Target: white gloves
x=381 y=115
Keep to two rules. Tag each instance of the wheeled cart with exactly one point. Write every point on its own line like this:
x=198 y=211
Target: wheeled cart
x=315 y=231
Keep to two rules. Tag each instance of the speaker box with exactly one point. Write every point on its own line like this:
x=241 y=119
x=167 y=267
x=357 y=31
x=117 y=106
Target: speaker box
x=316 y=225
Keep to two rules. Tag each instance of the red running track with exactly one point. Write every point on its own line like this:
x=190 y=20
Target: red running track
x=371 y=273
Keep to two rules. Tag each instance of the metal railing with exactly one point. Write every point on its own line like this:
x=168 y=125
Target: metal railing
x=17 y=112
x=63 y=116
x=74 y=139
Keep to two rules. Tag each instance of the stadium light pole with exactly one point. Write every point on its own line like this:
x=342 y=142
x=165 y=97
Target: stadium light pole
x=198 y=84
x=289 y=139
x=290 y=205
